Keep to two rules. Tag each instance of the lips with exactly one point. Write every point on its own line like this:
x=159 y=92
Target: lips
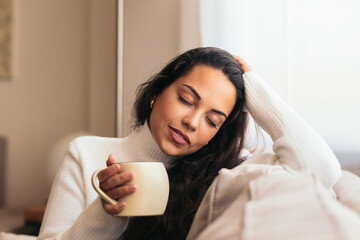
x=179 y=137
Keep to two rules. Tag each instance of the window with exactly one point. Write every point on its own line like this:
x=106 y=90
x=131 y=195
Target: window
x=308 y=51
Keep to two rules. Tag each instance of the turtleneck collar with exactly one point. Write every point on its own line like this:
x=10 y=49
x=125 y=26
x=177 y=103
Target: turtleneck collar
x=143 y=146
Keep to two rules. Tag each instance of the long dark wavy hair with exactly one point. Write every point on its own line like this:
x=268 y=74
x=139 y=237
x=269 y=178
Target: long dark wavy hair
x=190 y=176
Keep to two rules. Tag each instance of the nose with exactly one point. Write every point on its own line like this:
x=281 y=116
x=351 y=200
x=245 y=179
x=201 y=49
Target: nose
x=192 y=120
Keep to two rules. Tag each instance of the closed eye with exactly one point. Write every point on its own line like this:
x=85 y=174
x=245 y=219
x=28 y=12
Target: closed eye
x=183 y=100
x=211 y=122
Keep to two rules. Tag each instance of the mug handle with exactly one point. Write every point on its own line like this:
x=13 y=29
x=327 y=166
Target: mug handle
x=102 y=194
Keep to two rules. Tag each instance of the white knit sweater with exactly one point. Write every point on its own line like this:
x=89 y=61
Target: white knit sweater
x=74 y=210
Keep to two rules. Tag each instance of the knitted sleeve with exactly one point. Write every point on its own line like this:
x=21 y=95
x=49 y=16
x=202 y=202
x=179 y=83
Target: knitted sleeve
x=296 y=144
x=68 y=216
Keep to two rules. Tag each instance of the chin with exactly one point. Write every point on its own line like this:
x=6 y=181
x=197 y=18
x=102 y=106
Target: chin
x=171 y=150
x=174 y=151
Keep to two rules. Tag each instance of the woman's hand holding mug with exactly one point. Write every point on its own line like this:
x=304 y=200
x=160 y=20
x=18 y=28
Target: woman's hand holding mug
x=112 y=182
x=132 y=188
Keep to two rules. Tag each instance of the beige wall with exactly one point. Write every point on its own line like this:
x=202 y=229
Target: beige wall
x=151 y=39
x=103 y=40
x=64 y=56
x=63 y=81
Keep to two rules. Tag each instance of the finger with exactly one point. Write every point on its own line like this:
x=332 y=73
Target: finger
x=240 y=61
x=122 y=191
x=244 y=66
x=237 y=58
x=113 y=209
x=111 y=160
x=117 y=180
x=108 y=172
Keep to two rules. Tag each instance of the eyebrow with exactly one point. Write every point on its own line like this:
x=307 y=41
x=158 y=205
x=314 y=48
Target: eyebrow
x=219 y=112
x=193 y=90
x=198 y=96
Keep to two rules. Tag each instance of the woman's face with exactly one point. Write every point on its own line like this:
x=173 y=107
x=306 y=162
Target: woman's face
x=188 y=113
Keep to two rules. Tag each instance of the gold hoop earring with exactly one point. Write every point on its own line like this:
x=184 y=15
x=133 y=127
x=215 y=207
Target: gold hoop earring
x=152 y=103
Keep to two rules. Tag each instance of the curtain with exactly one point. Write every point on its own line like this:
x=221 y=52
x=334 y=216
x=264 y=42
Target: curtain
x=308 y=51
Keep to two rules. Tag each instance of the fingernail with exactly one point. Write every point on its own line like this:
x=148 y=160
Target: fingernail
x=122 y=204
x=115 y=167
x=133 y=187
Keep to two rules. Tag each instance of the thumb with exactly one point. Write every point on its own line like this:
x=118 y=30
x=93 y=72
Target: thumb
x=111 y=160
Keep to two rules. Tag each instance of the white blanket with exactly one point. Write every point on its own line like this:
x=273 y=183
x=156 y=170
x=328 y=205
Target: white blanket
x=258 y=202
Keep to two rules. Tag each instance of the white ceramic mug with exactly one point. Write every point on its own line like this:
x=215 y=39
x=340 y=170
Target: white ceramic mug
x=151 y=195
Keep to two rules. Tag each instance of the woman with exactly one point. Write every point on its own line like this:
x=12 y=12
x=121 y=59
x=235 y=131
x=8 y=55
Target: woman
x=189 y=116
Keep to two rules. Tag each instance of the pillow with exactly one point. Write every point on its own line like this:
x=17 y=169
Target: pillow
x=266 y=203
x=347 y=190
x=228 y=187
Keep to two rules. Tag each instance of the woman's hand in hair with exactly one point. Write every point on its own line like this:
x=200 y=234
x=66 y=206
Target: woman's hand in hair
x=112 y=182
x=244 y=66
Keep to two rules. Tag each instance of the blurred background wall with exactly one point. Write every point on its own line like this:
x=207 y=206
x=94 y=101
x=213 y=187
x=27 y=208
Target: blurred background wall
x=63 y=81
x=151 y=39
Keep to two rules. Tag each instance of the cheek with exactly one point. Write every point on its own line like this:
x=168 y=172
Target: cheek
x=171 y=107
x=205 y=136
x=164 y=110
